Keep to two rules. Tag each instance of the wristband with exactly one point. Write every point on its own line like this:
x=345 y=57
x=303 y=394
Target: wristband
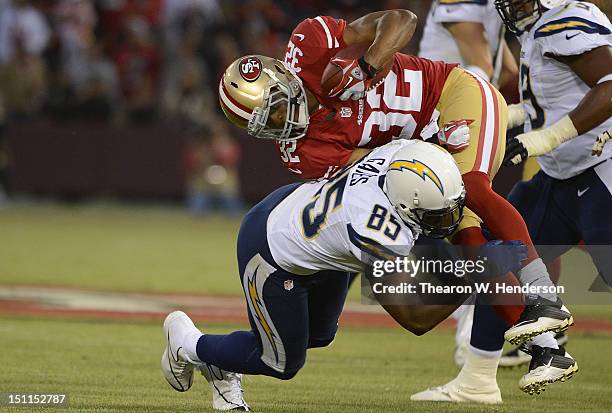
x=368 y=69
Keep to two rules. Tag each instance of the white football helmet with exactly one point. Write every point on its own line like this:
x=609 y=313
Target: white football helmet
x=424 y=185
x=519 y=15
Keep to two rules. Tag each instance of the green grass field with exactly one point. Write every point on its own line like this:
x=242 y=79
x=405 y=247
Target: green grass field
x=112 y=366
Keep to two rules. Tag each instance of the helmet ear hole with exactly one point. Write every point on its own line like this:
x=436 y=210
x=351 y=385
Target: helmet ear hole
x=234 y=84
x=279 y=69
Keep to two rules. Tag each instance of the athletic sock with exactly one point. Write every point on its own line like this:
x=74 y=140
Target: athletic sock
x=500 y=217
x=511 y=308
x=545 y=340
x=536 y=275
x=190 y=343
x=479 y=372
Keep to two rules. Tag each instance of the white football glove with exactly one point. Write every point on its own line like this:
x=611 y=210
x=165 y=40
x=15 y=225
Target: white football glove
x=516 y=115
x=455 y=135
x=600 y=142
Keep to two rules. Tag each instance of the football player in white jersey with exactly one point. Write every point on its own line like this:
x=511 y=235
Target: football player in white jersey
x=469 y=32
x=566 y=92
x=296 y=250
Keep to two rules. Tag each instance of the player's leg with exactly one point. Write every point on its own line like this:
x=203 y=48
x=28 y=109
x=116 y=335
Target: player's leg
x=325 y=302
x=476 y=382
x=541 y=204
x=469 y=97
x=275 y=346
x=593 y=191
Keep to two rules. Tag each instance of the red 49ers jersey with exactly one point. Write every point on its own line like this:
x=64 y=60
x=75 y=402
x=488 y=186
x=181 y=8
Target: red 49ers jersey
x=400 y=107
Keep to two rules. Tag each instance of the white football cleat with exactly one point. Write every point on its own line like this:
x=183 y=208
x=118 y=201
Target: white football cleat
x=547 y=366
x=456 y=392
x=227 y=393
x=176 y=366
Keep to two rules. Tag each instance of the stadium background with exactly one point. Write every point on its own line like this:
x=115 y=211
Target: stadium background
x=111 y=140
x=118 y=98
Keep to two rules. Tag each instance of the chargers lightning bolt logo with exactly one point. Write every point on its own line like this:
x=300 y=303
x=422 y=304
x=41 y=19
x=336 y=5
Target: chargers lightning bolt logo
x=418 y=168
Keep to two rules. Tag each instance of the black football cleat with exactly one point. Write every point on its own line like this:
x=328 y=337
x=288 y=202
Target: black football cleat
x=547 y=366
x=539 y=316
x=517 y=357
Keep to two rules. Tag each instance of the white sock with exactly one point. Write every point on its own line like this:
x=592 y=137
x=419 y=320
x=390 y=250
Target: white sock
x=479 y=371
x=545 y=340
x=190 y=342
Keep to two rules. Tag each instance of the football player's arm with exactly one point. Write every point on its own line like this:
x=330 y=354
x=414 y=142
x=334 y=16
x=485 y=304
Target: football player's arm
x=473 y=46
x=595 y=69
x=388 y=32
x=357 y=155
x=596 y=106
x=509 y=65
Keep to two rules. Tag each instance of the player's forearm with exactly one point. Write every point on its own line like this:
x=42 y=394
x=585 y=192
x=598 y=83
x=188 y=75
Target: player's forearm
x=394 y=29
x=594 y=109
x=473 y=46
x=509 y=66
x=358 y=154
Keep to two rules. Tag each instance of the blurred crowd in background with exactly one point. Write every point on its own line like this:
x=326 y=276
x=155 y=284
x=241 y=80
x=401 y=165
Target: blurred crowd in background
x=141 y=60
x=132 y=62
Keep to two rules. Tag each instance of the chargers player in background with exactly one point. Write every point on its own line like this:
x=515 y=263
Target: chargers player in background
x=296 y=250
x=318 y=134
x=470 y=33
x=566 y=93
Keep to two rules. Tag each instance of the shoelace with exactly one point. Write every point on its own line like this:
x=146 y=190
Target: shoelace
x=235 y=391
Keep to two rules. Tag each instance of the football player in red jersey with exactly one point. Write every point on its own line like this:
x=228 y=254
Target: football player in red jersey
x=318 y=134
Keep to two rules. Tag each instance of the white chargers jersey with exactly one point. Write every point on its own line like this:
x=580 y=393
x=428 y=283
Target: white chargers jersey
x=438 y=44
x=325 y=225
x=550 y=89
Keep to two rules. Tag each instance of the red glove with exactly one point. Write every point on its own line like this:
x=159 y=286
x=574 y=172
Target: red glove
x=355 y=81
x=455 y=135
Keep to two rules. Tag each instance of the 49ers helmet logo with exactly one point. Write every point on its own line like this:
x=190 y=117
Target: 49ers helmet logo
x=250 y=68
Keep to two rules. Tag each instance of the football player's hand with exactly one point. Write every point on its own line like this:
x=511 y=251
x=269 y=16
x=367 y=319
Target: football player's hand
x=539 y=142
x=600 y=142
x=502 y=257
x=515 y=152
x=455 y=135
x=354 y=82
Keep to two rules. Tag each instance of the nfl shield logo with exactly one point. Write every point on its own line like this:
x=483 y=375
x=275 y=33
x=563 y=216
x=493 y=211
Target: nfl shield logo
x=288 y=285
x=346 y=112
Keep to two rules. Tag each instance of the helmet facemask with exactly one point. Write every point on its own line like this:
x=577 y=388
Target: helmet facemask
x=288 y=96
x=434 y=223
x=519 y=15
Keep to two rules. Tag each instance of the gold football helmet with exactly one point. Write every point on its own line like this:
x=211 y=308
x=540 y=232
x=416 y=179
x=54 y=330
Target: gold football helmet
x=255 y=86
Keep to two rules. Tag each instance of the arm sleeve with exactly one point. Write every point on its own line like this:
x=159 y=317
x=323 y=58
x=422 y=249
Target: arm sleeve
x=574 y=32
x=452 y=11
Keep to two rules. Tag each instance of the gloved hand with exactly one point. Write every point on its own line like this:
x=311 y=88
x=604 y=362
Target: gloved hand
x=455 y=135
x=539 y=142
x=502 y=257
x=600 y=142
x=355 y=81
